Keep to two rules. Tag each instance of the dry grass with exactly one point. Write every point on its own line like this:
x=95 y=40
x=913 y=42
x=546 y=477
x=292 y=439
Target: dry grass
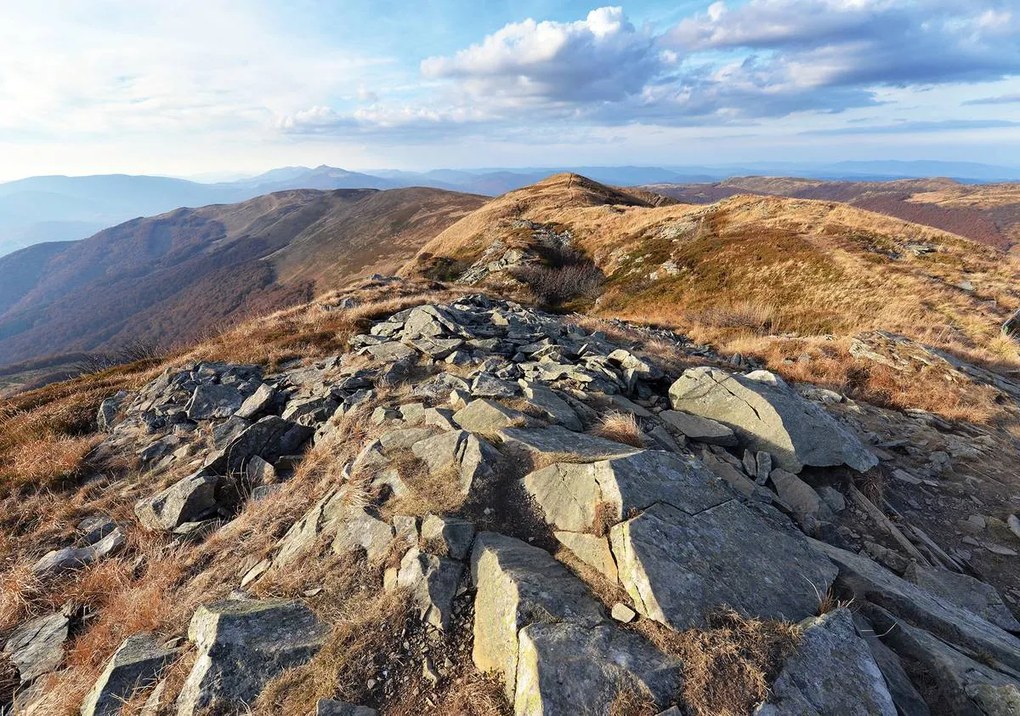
x=631 y=702
x=474 y=694
x=606 y=515
x=727 y=667
x=621 y=428
x=437 y=493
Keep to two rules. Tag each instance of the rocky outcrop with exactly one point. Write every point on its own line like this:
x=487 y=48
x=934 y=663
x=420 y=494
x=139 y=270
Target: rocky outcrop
x=769 y=416
x=242 y=644
x=135 y=665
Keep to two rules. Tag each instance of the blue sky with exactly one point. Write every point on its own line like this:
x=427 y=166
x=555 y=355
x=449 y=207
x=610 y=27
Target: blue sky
x=190 y=88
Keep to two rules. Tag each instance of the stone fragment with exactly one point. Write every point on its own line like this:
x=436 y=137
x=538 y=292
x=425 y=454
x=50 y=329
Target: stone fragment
x=211 y=401
x=61 y=560
x=489 y=386
x=432 y=582
x=191 y=499
x=966 y=592
x=592 y=550
x=469 y=456
x=695 y=427
x=622 y=613
x=557 y=410
x=242 y=645
x=678 y=567
x=487 y=417
x=831 y=672
x=808 y=507
x=768 y=415
x=556 y=443
x=135 y=665
x=452 y=534
x=258 y=402
x=37 y=647
x=330 y=707
x=355 y=527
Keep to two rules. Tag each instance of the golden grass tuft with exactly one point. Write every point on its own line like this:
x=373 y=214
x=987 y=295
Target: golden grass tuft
x=729 y=666
x=621 y=428
x=633 y=702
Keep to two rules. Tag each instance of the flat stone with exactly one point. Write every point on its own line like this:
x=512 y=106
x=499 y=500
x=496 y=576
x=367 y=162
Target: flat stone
x=135 y=665
x=622 y=613
x=569 y=668
x=870 y=582
x=555 y=443
x=258 y=402
x=678 y=567
x=487 y=417
x=831 y=672
x=37 y=647
x=330 y=707
x=768 y=415
x=242 y=645
x=489 y=386
x=808 y=506
x=68 y=558
x=556 y=410
x=571 y=493
x=698 y=428
x=357 y=528
x=518 y=584
x=966 y=592
x=211 y=401
x=391 y=352
x=592 y=550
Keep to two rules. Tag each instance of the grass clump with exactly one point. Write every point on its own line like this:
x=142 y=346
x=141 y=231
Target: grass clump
x=621 y=428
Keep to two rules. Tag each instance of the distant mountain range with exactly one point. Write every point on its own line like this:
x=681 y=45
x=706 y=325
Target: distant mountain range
x=60 y=208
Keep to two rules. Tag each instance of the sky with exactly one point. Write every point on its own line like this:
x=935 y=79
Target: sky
x=224 y=87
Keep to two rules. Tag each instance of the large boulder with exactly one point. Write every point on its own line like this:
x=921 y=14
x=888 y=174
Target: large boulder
x=566 y=668
x=832 y=672
x=555 y=443
x=242 y=645
x=135 y=665
x=678 y=567
x=211 y=401
x=191 y=499
x=517 y=585
x=270 y=438
x=768 y=415
x=574 y=495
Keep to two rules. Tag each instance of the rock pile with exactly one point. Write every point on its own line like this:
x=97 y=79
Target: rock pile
x=729 y=502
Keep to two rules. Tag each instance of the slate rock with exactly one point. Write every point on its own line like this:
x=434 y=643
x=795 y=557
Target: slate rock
x=469 y=456
x=135 y=665
x=432 y=582
x=242 y=645
x=808 y=507
x=677 y=567
x=567 y=668
x=831 y=672
x=61 y=560
x=966 y=592
x=37 y=647
x=556 y=409
x=699 y=428
x=592 y=550
x=259 y=402
x=768 y=415
x=518 y=584
x=453 y=534
x=489 y=386
x=190 y=499
x=331 y=707
x=211 y=401
x=270 y=438
x=555 y=443
x=487 y=417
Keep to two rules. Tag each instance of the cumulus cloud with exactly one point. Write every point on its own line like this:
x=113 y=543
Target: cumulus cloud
x=601 y=58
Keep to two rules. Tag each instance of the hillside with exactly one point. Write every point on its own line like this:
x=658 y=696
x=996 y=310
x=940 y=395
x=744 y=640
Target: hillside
x=177 y=276
x=405 y=498
x=988 y=213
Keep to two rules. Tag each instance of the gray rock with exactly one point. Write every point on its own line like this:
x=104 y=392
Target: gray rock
x=677 y=567
x=37 y=647
x=61 y=560
x=592 y=550
x=957 y=684
x=557 y=410
x=95 y=528
x=489 y=386
x=569 y=668
x=258 y=402
x=570 y=493
x=556 y=443
x=211 y=401
x=808 y=506
x=908 y=701
x=768 y=415
x=832 y=672
x=258 y=472
x=357 y=528
x=135 y=665
x=432 y=582
x=470 y=456
x=106 y=416
x=191 y=499
x=966 y=592
x=518 y=584
x=453 y=534
x=698 y=428
x=391 y=352
x=487 y=416
x=242 y=645
x=330 y=707
x=870 y=582
x=437 y=348
x=270 y=438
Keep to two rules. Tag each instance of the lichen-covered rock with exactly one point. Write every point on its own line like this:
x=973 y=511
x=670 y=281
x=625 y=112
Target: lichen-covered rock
x=770 y=416
x=190 y=499
x=565 y=668
x=557 y=443
x=678 y=567
x=211 y=401
x=242 y=645
x=487 y=416
x=135 y=665
x=831 y=672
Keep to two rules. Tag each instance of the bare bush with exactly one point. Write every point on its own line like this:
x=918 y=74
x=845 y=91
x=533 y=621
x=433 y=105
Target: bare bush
x=556 y=286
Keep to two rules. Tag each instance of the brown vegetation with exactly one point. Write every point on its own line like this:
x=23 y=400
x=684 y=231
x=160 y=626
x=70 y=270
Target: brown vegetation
x=621 y=428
